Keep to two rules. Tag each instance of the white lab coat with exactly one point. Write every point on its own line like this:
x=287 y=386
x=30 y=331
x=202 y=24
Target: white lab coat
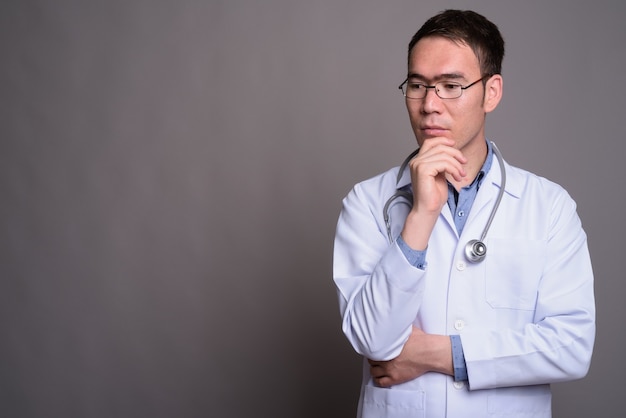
x=526 y=314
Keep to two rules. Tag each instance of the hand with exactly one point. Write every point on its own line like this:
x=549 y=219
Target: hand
x=421 y=353
x=436 y=159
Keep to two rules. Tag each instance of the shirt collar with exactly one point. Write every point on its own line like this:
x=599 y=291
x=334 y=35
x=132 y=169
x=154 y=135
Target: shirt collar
x=485 y=168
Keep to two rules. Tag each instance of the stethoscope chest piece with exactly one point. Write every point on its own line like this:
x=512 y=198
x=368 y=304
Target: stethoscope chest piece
x=475 y=251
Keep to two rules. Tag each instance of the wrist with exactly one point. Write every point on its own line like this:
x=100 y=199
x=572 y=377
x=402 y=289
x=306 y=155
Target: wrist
x=442 y=355
x=417 y=230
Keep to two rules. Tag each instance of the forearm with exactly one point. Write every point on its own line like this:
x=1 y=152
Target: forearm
x=530 y=357
x=422 y=353
x=437 y=354
x=555 y=347
x=379 y=309
x=418 y=228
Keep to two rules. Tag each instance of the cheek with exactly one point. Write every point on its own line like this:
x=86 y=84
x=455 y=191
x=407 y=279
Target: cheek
x=466 y=111
x=411 y=107
x=469 y=122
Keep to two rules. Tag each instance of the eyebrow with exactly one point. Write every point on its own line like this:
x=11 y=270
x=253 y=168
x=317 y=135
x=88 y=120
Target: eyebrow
x=445 y=76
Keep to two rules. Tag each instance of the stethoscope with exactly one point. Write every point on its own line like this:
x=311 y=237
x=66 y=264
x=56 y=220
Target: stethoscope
x=475 y=250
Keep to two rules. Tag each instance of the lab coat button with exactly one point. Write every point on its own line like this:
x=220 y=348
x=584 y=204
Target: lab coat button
x=459 y=324
x=460 y=266
x=458 y=385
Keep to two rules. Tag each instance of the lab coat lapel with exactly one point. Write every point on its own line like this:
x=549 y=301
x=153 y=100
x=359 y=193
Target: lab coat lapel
x=484 y=201
x=487 y=194
x=447 y=217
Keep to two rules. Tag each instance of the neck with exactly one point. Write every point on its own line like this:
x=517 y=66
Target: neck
x=476 y=156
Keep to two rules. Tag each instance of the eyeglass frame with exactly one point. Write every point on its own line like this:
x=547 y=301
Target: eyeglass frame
x=434 y=86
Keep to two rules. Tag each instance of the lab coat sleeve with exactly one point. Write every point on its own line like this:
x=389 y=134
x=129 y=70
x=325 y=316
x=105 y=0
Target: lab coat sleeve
x=379 y=290
x=557 y=345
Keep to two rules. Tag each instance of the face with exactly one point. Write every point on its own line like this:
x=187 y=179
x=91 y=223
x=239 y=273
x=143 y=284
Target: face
x=435 y=59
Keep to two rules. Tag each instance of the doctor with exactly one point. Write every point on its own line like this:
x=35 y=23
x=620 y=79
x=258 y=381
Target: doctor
x=443 y=335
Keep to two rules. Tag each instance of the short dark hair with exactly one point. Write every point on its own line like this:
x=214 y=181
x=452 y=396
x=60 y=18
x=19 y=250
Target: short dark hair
x=469 y=28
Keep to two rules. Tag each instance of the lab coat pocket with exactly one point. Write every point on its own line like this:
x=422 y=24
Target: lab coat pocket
x=513 y=270
x=393 y=403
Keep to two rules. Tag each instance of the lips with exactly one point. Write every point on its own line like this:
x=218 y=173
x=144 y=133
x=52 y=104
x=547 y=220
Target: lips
x=433 y=130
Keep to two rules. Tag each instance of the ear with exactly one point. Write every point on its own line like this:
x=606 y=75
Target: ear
x=493 y=92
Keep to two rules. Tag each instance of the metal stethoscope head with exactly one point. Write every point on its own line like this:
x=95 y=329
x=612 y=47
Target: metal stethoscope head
x=476 y=249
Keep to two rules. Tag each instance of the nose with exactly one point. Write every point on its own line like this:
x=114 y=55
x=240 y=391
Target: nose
x=431 y=103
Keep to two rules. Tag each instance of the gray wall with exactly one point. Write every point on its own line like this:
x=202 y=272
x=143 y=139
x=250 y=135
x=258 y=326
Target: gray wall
x=171 y=173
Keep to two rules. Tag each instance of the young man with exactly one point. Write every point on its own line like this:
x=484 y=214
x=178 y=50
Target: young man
x=477 y=293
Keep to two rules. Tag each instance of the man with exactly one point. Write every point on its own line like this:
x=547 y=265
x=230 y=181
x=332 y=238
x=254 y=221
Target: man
x=445 y=330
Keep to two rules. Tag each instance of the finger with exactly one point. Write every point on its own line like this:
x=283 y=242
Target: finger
x=377 y=373
x=433 y=142
x=433 y=165
x=445 y=146
x=377 y=368
x=438 y=142
x=440 y=150
x=437 y=150
x=383 y=382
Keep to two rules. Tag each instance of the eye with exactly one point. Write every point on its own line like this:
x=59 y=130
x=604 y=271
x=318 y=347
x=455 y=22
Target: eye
x=450 y=86
x=415 y=86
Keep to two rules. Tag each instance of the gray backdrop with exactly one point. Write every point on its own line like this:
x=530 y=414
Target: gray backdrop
x=171 y=173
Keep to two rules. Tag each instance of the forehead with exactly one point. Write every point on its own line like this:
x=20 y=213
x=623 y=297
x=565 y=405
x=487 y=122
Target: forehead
x=433 y=56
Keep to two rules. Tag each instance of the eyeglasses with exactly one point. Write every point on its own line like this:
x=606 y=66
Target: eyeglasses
x=444 y=89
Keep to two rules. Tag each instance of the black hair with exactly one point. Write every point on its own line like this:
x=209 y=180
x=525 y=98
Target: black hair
x=469 y=28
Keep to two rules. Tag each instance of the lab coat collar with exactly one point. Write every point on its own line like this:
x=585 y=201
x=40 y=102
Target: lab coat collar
x=514 y=180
